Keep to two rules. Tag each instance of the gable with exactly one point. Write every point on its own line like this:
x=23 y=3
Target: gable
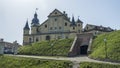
x=55 y=13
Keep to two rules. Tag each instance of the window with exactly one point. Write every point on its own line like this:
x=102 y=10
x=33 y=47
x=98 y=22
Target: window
x=59 y=37
x=37 y=39
x=47 y=37
x=45 y=26
x=59 y=27
x=73 y=28
x=55 y=27
x=66 y=37
x=78 y=31
x=55 y=19
x=65 y=23
x=30 y=40
x=78 y=24
x=87 y=27
x=55 y=12
x=50 y=28
x=37 y=30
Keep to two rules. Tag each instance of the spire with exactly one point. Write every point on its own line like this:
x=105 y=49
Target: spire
x=35 y=20
x=73 y=21
x=26 y=26
x=79 y=21
x=35 y=15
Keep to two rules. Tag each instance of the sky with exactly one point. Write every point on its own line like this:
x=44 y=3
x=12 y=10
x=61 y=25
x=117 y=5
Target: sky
x=14 y=13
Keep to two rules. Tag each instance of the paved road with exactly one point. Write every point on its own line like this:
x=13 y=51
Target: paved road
x=75 y=60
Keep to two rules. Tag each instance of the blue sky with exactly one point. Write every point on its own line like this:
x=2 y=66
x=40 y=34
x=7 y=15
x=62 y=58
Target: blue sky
x=14 y=13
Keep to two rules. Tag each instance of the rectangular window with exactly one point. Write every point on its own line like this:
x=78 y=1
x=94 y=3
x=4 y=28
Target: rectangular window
x=59 y=27
x=50 y=28
x=55 y=27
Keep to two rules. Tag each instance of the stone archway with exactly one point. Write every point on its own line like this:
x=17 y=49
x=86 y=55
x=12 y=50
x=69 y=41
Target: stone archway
x=83 y=49
x=47 y=37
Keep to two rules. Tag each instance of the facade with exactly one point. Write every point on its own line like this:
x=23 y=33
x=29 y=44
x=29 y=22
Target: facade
x=8 y=48
x=1 y=47
x=96 y=29
x=57 y=26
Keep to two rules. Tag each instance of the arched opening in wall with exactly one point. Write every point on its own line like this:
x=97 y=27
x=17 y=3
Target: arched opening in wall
x=47 y=37
x=37 y=39
x=30 y=40
x=83 y=49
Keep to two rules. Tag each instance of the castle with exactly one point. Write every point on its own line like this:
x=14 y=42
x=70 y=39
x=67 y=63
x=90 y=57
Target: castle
x=57 y=26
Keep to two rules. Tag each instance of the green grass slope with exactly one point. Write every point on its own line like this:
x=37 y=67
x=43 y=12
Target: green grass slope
x=16 y=62
x=47 y=48
x=97 y=65
x=112 y=44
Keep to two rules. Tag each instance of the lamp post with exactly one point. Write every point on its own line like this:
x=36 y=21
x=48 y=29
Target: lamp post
x=52 y=48
x=105 y=40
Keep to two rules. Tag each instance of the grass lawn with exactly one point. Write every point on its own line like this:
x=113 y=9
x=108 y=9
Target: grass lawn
x=112 y=46
x=97 y=65
x=17 y=62
x=48 y=48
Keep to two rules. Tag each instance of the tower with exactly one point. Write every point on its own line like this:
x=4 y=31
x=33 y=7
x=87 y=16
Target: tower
x=26 y=28
x=34 y=24
x=73 y=24
x=79 y=25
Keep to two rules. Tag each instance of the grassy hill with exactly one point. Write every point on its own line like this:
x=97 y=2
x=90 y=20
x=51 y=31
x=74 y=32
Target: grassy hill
x=112 y=44
x=47 y=48
x=16 y=62
x=97 y=65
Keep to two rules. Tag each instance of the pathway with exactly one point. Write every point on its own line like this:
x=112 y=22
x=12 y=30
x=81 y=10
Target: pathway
x=75 y=60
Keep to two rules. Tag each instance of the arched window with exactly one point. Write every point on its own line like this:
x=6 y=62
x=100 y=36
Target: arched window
x=37 y=39
x=65 y=23
x=45 y=26
x=37 y=30
x=73 y=28
x=47 y=37
x=30 y=40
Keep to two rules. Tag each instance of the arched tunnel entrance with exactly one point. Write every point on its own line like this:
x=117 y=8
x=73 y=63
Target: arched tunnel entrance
x=83 y=49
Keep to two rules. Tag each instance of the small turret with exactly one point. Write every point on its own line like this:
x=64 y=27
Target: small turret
x=35 y=20
x=73 y=22
x=79 y=21
x=79 y=25
x=26 y=28
x=34 y=24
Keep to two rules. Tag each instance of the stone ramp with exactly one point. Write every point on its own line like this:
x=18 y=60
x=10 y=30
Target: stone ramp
x=81 y=42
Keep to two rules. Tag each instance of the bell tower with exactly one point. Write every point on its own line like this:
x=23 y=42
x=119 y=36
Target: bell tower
x=26 y=28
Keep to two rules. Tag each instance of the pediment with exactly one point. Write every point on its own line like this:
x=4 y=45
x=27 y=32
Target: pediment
x=55 y=13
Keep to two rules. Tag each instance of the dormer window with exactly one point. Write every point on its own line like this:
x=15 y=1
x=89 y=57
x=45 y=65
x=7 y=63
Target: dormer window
x=55 y=12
